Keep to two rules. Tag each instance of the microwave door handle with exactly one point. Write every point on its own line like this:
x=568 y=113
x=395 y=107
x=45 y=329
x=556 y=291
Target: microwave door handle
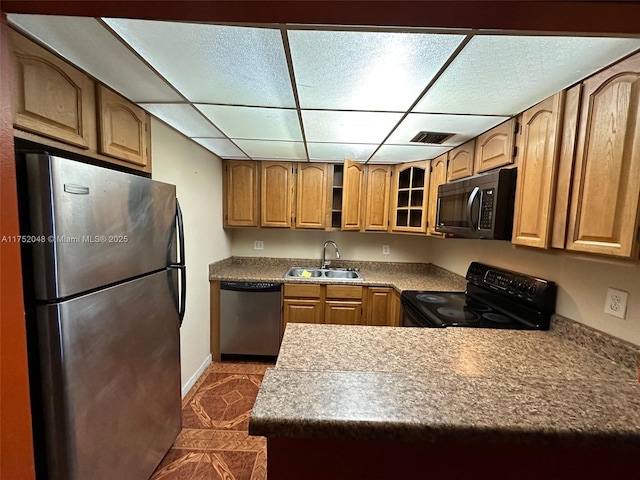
x=472 y=198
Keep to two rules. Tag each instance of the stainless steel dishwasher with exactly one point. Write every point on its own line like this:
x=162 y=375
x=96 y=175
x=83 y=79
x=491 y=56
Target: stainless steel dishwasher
x=250 y=318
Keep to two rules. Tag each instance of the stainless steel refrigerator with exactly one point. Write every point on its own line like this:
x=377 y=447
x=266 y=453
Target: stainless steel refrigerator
x=108 y=294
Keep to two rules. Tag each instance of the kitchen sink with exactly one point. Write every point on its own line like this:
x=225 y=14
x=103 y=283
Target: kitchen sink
x=322 y=273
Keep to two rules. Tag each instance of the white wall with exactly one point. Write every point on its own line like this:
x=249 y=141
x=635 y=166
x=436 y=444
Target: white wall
x=284 y=243
x=197 y=175
x=582 y=280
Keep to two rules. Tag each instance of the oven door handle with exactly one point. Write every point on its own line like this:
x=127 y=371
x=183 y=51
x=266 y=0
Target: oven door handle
x=472 y=199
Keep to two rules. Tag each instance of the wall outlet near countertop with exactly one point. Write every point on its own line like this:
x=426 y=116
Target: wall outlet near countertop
x=385 y=249
x=258 y=245
x=616 y=303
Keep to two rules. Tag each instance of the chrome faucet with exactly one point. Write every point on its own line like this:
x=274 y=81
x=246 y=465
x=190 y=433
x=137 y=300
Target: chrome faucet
x=325 y=262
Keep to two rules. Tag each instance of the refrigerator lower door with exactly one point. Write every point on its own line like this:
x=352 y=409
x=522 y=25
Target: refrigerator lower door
x=111 y=380
x=95 y=226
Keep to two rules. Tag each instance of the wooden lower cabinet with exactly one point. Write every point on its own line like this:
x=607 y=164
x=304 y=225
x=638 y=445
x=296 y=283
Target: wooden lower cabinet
x=302 y=311
x=340 y=305
x=381 y=307
x=341 y=312
x=302 y=304
x=343 y=304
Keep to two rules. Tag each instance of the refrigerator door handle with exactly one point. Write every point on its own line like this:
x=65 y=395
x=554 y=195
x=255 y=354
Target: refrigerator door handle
x=180 y=264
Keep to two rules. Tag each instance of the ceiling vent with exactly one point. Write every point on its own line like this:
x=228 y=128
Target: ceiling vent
x=432 y=137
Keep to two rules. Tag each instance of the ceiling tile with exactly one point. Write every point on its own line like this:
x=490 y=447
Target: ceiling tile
x=273 y=150
x=214 y=63
x=348 y=127
x=254 y=122
x=465 y=127
x=222 y=147
x=366 y=70
x=406 y=153
x=86 y=43
x=183 y=118
x=340 y=151
x=504 y=75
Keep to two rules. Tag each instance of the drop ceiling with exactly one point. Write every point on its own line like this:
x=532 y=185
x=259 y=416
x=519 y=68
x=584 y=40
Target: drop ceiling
x=325 y=93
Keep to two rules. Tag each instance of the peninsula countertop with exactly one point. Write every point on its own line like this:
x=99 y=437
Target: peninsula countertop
x=361 y=382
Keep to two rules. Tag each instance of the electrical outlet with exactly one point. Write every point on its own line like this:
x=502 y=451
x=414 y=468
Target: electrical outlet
x=258 y=245
x=616 y=303
x=385 y=249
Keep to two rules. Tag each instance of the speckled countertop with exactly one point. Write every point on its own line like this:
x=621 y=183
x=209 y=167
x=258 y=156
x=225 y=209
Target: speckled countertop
x=404 y=383
x=401 y=276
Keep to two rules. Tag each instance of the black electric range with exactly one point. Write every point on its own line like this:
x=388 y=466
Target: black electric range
x=495 y=298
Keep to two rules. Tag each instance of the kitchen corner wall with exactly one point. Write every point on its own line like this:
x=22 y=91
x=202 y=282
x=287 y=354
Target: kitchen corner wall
x=197 y=175
x=582 y=280
x=284 y=243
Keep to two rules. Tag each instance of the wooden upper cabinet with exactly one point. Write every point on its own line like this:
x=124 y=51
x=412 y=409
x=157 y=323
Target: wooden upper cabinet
x=537 y=169
x=495 y=148
x=50 y=97
x=311 y=195
x=241 y=193
x=606 y=184
x=123 y=128
x=376 y=199
x=438 y=177
x=461 y=161
x=352 y=195
x=276 y=194
x=410 y=197
x=566 y=160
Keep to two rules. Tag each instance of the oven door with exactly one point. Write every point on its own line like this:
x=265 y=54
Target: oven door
x=412 y=318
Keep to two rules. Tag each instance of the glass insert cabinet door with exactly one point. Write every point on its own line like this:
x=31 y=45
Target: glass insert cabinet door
x=411 y=185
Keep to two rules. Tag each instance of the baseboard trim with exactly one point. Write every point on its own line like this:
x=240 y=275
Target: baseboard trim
x=194 y=378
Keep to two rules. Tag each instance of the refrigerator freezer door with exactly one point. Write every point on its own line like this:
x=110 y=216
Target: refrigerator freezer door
x=98 y=226
x=110 y=365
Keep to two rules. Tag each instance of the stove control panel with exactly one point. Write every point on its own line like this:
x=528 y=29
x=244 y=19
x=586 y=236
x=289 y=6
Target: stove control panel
x=525 y=289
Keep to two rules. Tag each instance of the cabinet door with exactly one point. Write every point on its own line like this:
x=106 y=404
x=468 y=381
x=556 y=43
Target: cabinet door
x=566 y=159
x=379 y=306
x=276 y=194
x=461 y=161
x=311 y=195
x=241 y=193
x=50 y=97
x=396 y=309
x=301 y=311
x=410 y=198
x=376 y=203
x=123 y=128
x=352 y=195
x=438 y=177
x=537 y=173
x=606 y=185
x=342 y=312
x=495 y=147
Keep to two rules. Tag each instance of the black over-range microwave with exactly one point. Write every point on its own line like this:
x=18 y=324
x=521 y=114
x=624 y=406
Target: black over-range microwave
x=478 y=207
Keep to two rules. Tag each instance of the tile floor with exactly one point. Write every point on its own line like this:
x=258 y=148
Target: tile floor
x=214 y=443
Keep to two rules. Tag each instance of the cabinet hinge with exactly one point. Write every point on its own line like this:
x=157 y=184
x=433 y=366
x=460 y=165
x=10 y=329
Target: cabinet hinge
x=292 y=170
x=226 y=168
x=516 y=128
x=431 y=169
x=515 y=152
